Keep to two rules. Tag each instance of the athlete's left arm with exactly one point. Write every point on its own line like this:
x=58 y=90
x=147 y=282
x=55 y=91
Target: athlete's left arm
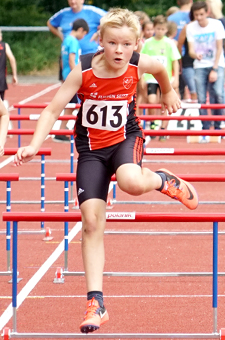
x=170 y=100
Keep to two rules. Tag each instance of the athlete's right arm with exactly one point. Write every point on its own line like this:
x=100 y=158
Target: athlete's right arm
x=50 y=114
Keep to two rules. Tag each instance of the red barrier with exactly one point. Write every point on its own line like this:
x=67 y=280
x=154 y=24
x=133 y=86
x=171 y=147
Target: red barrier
x=37 y=106
x=185 y=106
x=66 y=177
x=184 y=152
x=9 y=177
x=147 y=132
x=208 y=117
x=41 y=152
x=31 y=132
x=146 y=117
x=35 y=117
x=184 y=133
x=188 y=177
x=114 y=216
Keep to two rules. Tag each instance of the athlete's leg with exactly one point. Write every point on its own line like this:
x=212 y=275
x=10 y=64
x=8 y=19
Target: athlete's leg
x=93 y=225
x=92 y=187
x=135 y=180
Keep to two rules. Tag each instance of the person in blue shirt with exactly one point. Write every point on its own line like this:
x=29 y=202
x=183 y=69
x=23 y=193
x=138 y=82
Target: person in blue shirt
x=181 y=18
x=61 y=23
x=70 y=55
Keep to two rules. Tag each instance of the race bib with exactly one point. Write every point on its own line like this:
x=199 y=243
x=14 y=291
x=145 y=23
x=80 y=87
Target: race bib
x=104 y=115
x=162 y=59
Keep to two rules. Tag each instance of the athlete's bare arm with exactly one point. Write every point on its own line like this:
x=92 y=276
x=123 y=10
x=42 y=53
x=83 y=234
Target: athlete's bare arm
x=170 y=100
x=50 y=115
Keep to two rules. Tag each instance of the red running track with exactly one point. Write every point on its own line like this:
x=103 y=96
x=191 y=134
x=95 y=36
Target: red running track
x=153 y=305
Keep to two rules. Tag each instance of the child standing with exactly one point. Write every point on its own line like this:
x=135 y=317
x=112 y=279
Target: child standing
x=70 y=55
x=6 y=52
x=4 y=124
x=205 y=41
x=109 y=139
x=165 y=51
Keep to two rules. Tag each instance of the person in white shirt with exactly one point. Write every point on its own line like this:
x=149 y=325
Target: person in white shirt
x=205 y=41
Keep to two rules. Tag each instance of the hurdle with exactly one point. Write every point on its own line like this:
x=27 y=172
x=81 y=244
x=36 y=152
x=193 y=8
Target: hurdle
x=8 y=178
x=52 y=132
x=19 y=106
x=42 y=152
x=65 y=178
x=119 y=217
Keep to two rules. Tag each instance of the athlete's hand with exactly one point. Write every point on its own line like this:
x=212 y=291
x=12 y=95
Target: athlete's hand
x=24 y=155
x=170 y=102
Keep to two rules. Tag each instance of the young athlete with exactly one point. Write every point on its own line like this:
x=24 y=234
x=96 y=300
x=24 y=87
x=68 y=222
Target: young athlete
x=4 y=124
x=109 y=139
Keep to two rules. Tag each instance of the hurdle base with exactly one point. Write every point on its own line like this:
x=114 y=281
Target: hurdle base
x=210 y=139
x=18 y=280
x=7 y=335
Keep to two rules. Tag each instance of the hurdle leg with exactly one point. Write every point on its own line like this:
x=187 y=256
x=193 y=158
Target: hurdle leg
x=8 y=235
x=42 y=187
x=71 y=163
x=66 y=225
x=215 y=275
x=14 y=273
x=19 y=126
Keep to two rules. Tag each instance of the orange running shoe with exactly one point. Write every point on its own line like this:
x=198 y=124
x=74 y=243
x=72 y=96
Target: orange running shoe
x=94 y=317
x=179 y=189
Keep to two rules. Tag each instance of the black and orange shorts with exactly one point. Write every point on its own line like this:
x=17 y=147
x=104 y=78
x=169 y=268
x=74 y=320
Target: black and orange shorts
x=95 y=167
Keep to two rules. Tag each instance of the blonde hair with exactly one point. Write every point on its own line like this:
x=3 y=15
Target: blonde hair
x=160 y=20
x=119 y=17
x=142 y=16
x=172 y=10
x=171 y=29
x=215 y=7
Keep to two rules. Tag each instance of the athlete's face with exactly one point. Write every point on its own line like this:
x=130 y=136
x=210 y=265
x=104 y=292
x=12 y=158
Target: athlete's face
x=119 y=44
x=76 y=5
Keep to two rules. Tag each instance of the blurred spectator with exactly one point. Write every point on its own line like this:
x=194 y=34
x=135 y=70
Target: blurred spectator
x=4 y=124
x=172 y=31
x=6 y=52
x=172 y=10
x=147 y=30
x=186 y=64
x=141 y=85
x=215 y=10
x=163 y=49
x=70 y=53
x=181 y=18
x=61 y=23
x=205 y=36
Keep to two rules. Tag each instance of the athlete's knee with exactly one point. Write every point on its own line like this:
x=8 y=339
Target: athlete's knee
x=92 y=224
x=132 y=185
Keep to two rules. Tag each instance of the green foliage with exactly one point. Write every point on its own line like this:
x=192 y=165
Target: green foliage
x=40 y=50
x=34 y=51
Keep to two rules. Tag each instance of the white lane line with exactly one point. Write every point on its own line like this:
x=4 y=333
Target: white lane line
x=39 y=94
x=6 y=161
x=7 y=314
x=116 y=296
